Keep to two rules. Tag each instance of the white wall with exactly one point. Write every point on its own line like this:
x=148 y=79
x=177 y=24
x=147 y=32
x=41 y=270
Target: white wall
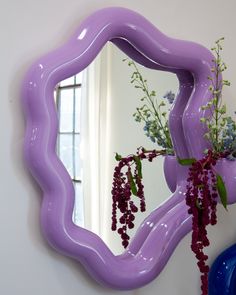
x=28 y=30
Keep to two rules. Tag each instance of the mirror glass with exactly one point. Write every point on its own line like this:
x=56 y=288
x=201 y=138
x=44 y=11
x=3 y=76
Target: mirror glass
x=95 y=111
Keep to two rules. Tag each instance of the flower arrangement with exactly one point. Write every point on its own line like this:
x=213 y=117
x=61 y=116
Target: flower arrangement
x=204 y=184
x=129 y=183
x=151 y=113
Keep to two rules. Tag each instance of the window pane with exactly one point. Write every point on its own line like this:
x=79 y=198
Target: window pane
x=77 y=158
x=68 y=145
x=66 y=110
x=78 y=214
x=77 y=109
x=69 y=81
x=65 y=152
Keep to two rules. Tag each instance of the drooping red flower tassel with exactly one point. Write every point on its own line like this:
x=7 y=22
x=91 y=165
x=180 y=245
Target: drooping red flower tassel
x=201 y=197
x=127 y=184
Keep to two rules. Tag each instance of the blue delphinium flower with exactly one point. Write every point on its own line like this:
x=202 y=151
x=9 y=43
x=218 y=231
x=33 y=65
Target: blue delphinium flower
x=147 y=126
x=155 y=133
x=229 y=138
x=170 y=96
x=229 y=134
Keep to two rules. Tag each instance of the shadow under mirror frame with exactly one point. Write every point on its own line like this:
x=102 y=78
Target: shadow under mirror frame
x=161 y=231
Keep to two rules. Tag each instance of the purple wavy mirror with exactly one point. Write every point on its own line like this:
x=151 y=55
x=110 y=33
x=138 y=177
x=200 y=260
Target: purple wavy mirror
x=161 y=231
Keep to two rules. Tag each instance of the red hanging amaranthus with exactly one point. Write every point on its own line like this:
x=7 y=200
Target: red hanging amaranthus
x=125 y=185
x=203 y=188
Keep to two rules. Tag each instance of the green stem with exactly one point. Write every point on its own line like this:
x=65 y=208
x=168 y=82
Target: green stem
x=145 y=89
x=217 y=96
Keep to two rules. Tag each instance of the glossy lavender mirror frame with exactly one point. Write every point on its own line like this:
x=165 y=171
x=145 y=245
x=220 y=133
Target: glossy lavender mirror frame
x=161 y=231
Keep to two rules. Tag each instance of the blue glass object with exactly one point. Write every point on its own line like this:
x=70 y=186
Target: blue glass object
x=222 y=275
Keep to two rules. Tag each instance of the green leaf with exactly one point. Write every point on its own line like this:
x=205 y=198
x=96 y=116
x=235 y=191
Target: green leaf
x=132 y=183
x=198 y=205
x=186 y=162
x=221 y=190
x=118 y=157
x=139 y=166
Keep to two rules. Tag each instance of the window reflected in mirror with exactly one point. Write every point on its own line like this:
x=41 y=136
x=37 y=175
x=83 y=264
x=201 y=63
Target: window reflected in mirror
x=68 y=100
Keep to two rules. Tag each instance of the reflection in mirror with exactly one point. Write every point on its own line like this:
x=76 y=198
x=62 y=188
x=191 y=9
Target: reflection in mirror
x=68 y=102
x=95 y=111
